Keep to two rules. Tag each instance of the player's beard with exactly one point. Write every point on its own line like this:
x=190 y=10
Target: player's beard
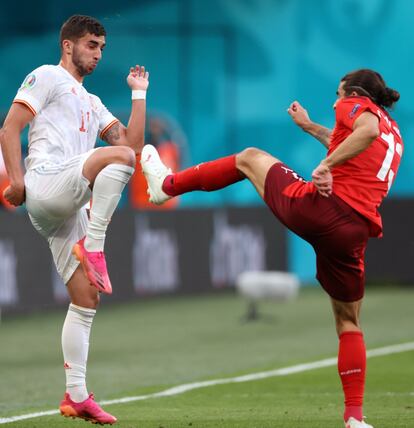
x=78 y=63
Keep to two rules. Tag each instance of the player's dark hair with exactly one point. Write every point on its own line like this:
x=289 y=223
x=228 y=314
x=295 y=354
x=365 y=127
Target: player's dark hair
x=369 y=83
x=78 y=25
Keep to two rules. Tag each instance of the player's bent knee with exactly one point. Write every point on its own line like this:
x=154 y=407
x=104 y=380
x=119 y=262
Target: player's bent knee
x=125 y=156
x=251 y=160
x=120 y=154
x=247 y=156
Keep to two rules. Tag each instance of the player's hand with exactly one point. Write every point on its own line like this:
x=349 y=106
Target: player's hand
x=322 y=179
x=299 y=115
x=138 y=78
x=15 y=194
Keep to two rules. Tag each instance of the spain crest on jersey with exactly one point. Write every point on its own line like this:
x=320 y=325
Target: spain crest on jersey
x=29 y=82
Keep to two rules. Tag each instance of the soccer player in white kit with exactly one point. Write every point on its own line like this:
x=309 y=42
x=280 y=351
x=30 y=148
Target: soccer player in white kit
x=63 y=172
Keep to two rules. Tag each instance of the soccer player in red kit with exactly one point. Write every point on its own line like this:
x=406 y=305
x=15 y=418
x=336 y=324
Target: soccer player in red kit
x=336 y=212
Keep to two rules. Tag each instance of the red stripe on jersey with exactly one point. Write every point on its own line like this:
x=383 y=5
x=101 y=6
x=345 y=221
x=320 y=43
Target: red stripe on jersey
x=103 y=132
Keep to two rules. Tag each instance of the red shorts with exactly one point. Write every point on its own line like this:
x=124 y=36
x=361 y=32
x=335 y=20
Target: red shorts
x=336 y=231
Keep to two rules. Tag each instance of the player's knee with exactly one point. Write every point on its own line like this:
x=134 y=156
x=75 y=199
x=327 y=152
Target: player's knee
x=245 y=158
x=126 y=156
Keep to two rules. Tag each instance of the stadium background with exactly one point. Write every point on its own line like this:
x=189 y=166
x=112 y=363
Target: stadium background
x=225 y=72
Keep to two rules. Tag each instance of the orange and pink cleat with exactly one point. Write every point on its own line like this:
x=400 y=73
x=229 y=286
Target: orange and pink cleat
x=89 y=410
x=94 y=266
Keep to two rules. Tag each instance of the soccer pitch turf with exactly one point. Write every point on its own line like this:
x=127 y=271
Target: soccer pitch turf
x=151 y=345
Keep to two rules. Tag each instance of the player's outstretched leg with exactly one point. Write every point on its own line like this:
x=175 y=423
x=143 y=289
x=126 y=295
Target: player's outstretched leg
x=108 y=183
x=251 y=163
x=207 y=176
x=89 y=410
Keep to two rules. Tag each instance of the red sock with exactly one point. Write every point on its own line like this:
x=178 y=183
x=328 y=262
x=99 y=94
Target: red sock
x=206 y=176
x=352 y=363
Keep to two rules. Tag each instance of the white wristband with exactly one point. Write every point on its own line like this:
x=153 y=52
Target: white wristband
x=138 y=94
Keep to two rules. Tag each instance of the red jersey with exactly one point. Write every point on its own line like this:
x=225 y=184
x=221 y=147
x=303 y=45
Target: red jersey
x=363 y=181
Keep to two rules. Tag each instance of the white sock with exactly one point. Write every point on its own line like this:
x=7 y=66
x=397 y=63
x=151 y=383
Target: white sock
x=75 y=346
x=107 y=189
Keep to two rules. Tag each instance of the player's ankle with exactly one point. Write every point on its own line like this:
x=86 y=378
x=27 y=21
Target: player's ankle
x=353 y=412
x=168 y=185
x=77 y=394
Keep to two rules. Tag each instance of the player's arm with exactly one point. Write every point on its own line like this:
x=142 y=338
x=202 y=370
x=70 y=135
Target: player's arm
x=133 y=134
x=365 y=131
x=301 y=117
x=17 y=119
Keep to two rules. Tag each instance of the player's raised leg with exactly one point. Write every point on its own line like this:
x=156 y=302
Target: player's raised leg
x=108 y=170
x=207 y=176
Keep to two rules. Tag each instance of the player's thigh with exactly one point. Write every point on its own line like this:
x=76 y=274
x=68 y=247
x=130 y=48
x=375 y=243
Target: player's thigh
x=340 y=253
x=57 y=192
x=255 y=164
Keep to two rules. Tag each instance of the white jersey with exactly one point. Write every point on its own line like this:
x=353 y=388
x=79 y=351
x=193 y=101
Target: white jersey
x=67 y=119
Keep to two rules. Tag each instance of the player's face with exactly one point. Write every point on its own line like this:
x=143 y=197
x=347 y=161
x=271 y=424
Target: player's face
x=87 y=52
x=340 y=93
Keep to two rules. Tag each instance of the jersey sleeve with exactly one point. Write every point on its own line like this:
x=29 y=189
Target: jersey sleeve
x=106 y=118
x=36 y=89
x=349 y=109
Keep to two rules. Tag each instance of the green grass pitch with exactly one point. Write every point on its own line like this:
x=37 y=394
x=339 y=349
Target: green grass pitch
x=152 y=345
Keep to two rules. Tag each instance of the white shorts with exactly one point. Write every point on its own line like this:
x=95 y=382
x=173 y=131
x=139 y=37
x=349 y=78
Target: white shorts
x=56 y=196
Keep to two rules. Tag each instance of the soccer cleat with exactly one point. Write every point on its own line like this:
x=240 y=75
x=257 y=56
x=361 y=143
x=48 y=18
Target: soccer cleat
x=89 y=410
x=155 y=172
x=354 y=423
x=94 y=266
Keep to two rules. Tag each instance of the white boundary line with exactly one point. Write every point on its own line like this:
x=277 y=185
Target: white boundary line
x=387 y=350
